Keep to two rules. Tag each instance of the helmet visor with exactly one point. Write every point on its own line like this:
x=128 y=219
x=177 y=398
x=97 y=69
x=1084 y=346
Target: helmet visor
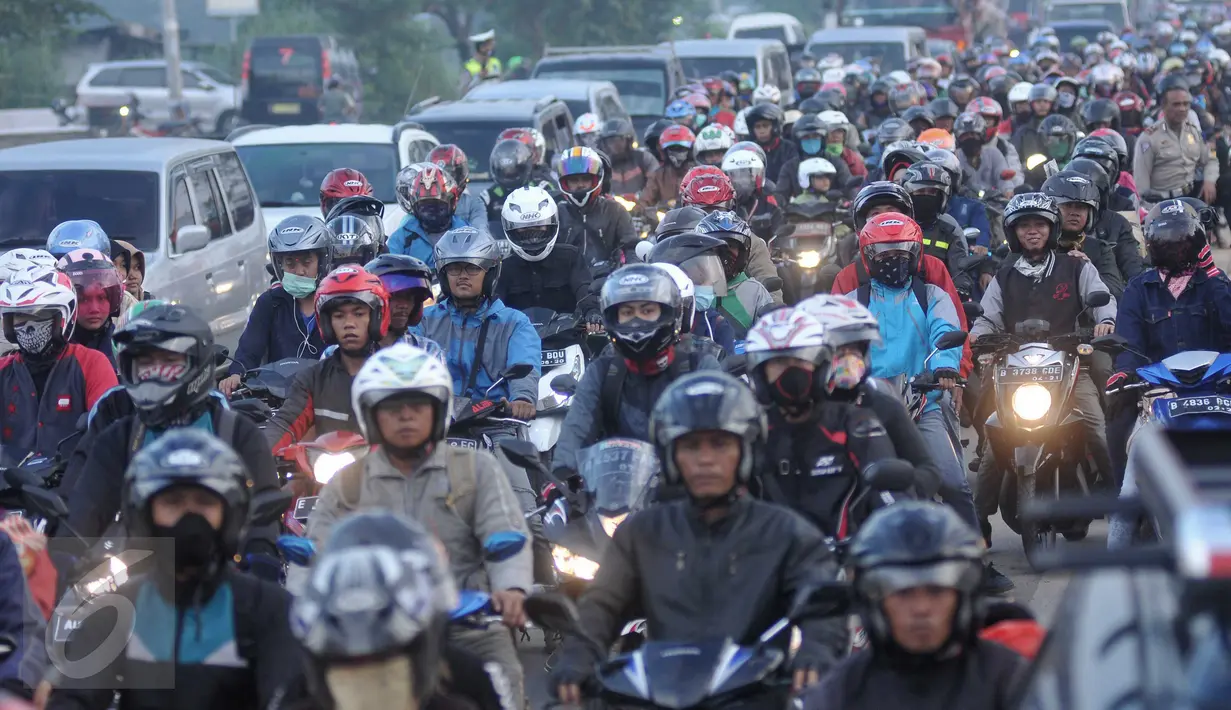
x=396 y=283
x=532 y=239
x=880 y=582
x=706 y=270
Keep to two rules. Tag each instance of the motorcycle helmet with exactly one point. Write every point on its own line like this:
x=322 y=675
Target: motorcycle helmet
x=903 y=96
x=991 y=112
x=688 y=309
x=944 y=109
x=586 y=130
x=91 y=272
x=810 y=133
x=681 y=113
x=616 y=137
x=812 y=106
x=970 y=129
x=467 y=245
x=1100 y=113
x=400 y=273
x=164 y=394
x=947 y=160
x=352 y=284
x=640 y=340
x=675 y=144
x=52 y=302
x=78 y=234
x=1069 y=187
x=962 y=89
x=19 y=260
x=930 y=186
x=403 y=184
x=1031 y=204
x=746 y=171
x=1176 y=239
x=1043 y=92
x=899 y=156
x=707 y=187
x=846 y=320
x=1100 y=152
x=769 y=113
x=340 y=183
x=748 y=146
x=452 y=159
x=881 y=194
x=531 y=221
x=1116 y=141
x=433 y=199
x=894 y=130
x=815 y=167
x=939 y=138
x=733 y=230
x=585 y=165
x=351 y=242
x=920 y=118
x=679 y=220
x=296 y=235
x=766 y=94
x=788 y=333
x=808 y=81
x=891 y=246
x=700 y=257
x=651 y=136
x=1059 y=135
x=511 y=163
x=832 y=96
x=402 y=370
x=708 y=401
x=712 y=144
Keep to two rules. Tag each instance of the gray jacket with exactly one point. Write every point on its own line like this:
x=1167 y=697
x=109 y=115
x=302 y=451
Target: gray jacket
x=425 y=496
x=992 y=320
x=986 y=177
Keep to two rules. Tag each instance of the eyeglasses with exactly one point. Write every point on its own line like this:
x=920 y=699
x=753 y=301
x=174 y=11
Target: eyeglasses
x=462 y=268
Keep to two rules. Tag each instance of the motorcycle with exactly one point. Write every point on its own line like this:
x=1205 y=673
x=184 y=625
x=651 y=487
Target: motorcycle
x=262 y=390
x=474 y=421
x=1035 y=435
x=805 y=243
x=23 y=470
x=305 y=467
x=564 y=362
x=915 y=390
x=644 y=223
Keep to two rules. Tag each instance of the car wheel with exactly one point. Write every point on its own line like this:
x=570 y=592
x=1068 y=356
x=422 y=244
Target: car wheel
x=227 y=122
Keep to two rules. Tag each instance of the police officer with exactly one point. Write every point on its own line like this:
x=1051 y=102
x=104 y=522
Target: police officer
x=1171 y=154
x=482 y=65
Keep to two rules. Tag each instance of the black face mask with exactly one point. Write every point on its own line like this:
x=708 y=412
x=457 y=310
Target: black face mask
x=793 y=388
x=971 y=146
x=893 y=270
x=197 y=543
x=1023 y=117
x=927 y=208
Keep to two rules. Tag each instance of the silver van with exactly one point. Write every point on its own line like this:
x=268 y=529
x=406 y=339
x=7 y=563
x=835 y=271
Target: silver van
x=891 y=47
x=186 y=203
x=765 y=59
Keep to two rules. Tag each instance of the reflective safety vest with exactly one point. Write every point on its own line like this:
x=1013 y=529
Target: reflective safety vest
x=493 y=66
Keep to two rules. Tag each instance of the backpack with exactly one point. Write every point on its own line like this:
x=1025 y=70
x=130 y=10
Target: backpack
x=617 y=370
x=463 y=483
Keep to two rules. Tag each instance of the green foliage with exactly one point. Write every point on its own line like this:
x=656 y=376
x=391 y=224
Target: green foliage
x=35 y=19
x=29 y=73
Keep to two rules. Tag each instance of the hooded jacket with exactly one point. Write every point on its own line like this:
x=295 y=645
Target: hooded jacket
x=276 y=330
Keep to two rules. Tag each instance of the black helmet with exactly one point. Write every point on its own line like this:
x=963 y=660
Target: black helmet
x=810 y=79
x=511 y=163
x=699 y=255
x=963 y=84
x=400 y=272
x=468 y=245
x=300 y=233
x=352 y=241
x=1101 y=152
x=365 y=207
x=1100 y=113
x=1059 y=135
x=917 y=544
x=731 y=228
x=833 y=99
x=396 y=568
x=1176 y=239
x=1031 y=204
x=1042 y=92
x=947 y=160
x=929 y=186
x=187 y=456
x=1068 y=187
x=811 y=106
x=922 y=114
x=1208 y=215
x=765 y=112
x=614 y=128
x=652 y=132
x=639 y=340
x=679 y=220
x=944 y=108
x=1116 y=141
x=708 y=401
x=164 y=396
x=881 y=193
x=893 y=130
x=808 y=124
x=900 y=156
x=1094 y=171
x=968 y=123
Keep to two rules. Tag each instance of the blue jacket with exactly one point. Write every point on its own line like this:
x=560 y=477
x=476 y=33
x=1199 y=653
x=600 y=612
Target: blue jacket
x=1160 y=325
x=409 y=238
x=971 y=213
x=471 y=210
x=511 y=340
x=276 y=330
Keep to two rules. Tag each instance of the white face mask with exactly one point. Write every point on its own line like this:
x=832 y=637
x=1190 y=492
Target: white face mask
x=378 y=685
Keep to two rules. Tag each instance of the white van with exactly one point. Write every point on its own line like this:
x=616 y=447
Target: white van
x=1113 y=11
x=892 y=47
x=765 y=59
x=785 y=28
x=186 y=203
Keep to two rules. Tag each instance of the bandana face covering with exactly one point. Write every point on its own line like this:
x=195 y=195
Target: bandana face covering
x=846 y=372
x=34 y=336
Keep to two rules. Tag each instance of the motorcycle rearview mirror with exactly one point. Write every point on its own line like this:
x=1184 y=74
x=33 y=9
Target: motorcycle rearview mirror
x=1097 y=299
x=521 y=454
x=23 y=478
x=784 y=231
x=555 y=611
x=518 y=371
x=643 y=249
x=772 y=283
x=854 y=183
x=893 y=475
x=267 y=507
x=221 y=355
x=269 y=269
x=502 y=546
x=48 y=504
x=973 y=310
x=564 y=384
x=1110 y=343
x=971 y=234
x=952 y=339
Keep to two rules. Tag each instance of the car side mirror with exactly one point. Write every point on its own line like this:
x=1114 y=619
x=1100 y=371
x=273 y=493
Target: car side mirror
x=893 y=475
x=268 y=507
x=1097 y=299
x=564 y=384
x=193 y=237
x=952 y=339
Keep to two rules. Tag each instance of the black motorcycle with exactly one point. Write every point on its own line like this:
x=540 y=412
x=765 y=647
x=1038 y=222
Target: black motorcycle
x=476 y=420
x=805 y=243
x=263 y=389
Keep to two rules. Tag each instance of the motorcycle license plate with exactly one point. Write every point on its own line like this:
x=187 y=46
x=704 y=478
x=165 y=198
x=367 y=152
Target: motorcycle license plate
x=462 y=442
x=284 y=109
x=1043 y=373
x=554 y=358
x=303 y=507
x=1199 y=405
x=813 y=229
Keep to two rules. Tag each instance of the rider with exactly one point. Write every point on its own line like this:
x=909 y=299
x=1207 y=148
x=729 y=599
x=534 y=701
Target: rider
x=100 y=297
x=709 y=432
x=1078 y=201
x=452 y=159
x=409 y=283
x=746 y=297
x=993 y=114
x=663 y=186
x=78 y=234
x=754 y=199
x=482 y=336
x=700 y=286
x=199 y=635
x=917 y=570
x=630 y=166
x=591 y=221
x=765 y=122
x=810 y=135
x=585 y=130
x=403 y=400
x=130 y=262
x=511 y=166
x=986 y=165
x=338 y=185
x=643 y=315
x=283 y=320
x=966 y=211
x=433 y=198
x=929 y=186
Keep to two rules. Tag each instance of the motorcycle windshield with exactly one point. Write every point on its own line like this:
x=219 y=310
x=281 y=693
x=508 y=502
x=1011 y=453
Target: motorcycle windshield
x=621 y=473
x=13 y=456
x=276 y=377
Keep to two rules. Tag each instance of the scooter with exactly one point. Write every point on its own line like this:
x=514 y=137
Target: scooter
x=306 y=467
x=263 y=389
x=804 y=244
x=475 y=420
x=564 y=363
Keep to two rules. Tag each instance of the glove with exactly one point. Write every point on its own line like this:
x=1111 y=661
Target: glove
x=946 y=373
x=1120 y=379
x=594 y=318
x=297 y=550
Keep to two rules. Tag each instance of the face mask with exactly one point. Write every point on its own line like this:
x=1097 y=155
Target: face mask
x=1058 y=149
x=927 y=208
x=196 y=541
x=846 y=372
x=893 y=271
x=1023 y=116
x=677 y=157
x=971 y=146
x=34 y=337
x=834 y=149
x=703 y=298
x=810 y=146
x=1066 y=100
x=298 y=286
x=793 y=388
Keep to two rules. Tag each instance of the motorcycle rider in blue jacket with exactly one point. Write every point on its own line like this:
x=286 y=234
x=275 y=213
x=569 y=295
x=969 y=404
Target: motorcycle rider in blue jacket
x=430 y=203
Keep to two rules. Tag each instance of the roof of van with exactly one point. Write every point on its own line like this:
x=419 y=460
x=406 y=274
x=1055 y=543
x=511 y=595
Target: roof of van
x=762 y=19
x=719 y=47
x=319 y=133
x=478 y=108
x=842 y=35
x=107 y=153
x=563 y=89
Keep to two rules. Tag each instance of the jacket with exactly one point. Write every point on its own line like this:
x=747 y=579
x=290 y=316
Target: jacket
x=1159 y=325
x=319 y=401
x=971 y=214
x=993 y=318
x=1117 y=232
x=1005 y=146
x=98 y=340
x=788 y=176
x=561 y=282
x=235 y=650
x=511 y=340
x=981 y=678
x=662 y=188
x=34 y=422
x=1104 y=260
x=761 y=265
x=471 y=210
x=586 y=422
x=461 y=519
x=604 y=230
x=411 y=239
x=881 y=400
x=20 y=621
x=814 y=466
x=710 y=324
x=779 y=152
x=630 y=173
x=934 y=272
x=746 y=299
x=986 y=178
x=276 y=330
x=762 y=213
x=944 y=238
x=694 y=580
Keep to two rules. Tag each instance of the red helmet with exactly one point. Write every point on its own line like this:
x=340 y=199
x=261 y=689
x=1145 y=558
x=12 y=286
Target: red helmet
x=451 y=158
x=701 y=102
x=707 y=187
x=676 y=136
x=713 y=85
x=352 y=283
x=433 y=182
x=340 y=183
x=1128 y=101
x=985 y=106
x=835 y=86
x=891 y=246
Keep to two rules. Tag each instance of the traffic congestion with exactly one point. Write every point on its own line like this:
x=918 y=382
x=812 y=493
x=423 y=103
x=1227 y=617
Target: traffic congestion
x=741 y=396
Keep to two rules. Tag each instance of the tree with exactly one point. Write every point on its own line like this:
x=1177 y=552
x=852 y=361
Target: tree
x=32 y=19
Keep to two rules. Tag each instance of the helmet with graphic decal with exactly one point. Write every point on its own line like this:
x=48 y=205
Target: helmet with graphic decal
x=797 y=340
x=339 y=184
x=78 y=234
x=1031 y=205
x=38 y=314
x=166 y=362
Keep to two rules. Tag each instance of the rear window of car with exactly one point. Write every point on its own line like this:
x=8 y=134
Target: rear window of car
x=475 y=138
x=291 y=63
x=290 y=175
x=106 y=77
x=123 y=202
x=778 y=33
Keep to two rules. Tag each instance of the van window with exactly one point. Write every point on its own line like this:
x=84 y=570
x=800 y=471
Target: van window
x=145 y=78
x=551 y=136
x=181 y=207
x=701 y=67
x=239 y=195
x=782 y=66
x=209 y=198
x=642 y=89
x=106 y=77
x=125 y=202
x=610 y=108
x=417 y=151
x=778 y=33
x=288 y=68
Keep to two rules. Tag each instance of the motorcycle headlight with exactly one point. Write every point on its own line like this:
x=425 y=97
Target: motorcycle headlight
x=1035 y=161
x=327 y=464
x=573 y=565
x=124 y=111
x=810 y=259
x=1031 y=402
x=611 y=523
x=626 y=204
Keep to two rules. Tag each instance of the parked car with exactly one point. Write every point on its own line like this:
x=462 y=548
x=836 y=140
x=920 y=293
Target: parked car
x=765 y=59
x=646 y=77
x=581 y=96
x=288 y=163
x=212 y=97
x=186 y=203
x=284 y=78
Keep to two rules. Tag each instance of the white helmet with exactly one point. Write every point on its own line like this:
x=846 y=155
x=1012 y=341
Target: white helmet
x=746 y=170
x=687 y=293
x=898 y=77
x=833 y=120
x=585 y=130
x=833 y=76
x=16 y=260
x=38 y=297
x=401 y=369
x=845 y=319
x=1220 y=58
x=714 y=137
x=741 y=123
x=786 y=332
x=815 y=166
x=1020 y=92
x=766 y=94
x=531 y=221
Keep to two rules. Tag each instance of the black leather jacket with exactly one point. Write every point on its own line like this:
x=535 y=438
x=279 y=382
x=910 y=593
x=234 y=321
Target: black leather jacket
x=560 y=282
x=606 y=230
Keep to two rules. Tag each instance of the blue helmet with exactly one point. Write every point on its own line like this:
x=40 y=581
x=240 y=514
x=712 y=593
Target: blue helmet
x=680 y=109
x=78 y=234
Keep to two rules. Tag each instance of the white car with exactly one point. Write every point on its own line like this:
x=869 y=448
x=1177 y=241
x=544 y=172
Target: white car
x=288 y=163
x=211 y=95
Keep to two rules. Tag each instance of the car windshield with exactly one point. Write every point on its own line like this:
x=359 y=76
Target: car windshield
x=703 y=67
x=642 y=89
x=217 y=75
x=1112 y=12
x=888 y=55
x=124 y=202
x=778 y=33
x=929 y=14
x=475 y=138
x=290 y=175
